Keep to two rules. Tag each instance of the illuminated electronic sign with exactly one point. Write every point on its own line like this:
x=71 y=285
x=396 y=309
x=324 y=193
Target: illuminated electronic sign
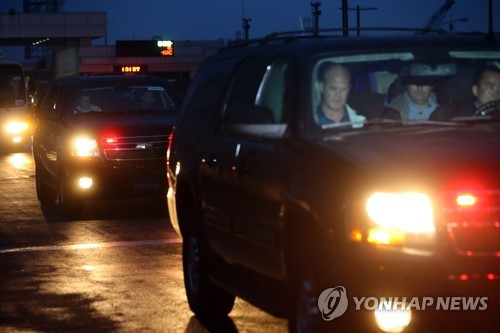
x=166 y=47
x=130 y=69
x=144 y=48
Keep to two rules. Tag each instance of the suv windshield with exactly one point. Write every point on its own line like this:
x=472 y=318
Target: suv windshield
x=405 y=88
x=111 y=99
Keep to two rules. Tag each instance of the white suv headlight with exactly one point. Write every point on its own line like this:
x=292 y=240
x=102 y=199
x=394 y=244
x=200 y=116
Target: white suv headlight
x=85 y=147
x=397 y=219
x=409 y=212
x=16 y=127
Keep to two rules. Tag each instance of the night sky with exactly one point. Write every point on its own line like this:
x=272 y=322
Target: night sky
x=215 y=19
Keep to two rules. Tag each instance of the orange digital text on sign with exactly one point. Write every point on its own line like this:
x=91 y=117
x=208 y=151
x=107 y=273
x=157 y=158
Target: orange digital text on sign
x=168 y=51
x=131 y=69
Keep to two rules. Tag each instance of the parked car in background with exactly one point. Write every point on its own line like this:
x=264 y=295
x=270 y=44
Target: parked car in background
x=277 y=204
x=102 y=136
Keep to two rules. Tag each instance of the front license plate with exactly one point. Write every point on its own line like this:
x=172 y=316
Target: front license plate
x=146 y=185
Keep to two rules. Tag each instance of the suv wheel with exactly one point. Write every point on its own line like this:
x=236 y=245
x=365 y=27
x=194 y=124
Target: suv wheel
x=204 y=298
x=44 y=193
x=305 y=315
x=69 y=205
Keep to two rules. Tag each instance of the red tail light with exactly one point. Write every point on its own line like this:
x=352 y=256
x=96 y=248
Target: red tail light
x=472 y=221
x=109 y=139
x=169 y=147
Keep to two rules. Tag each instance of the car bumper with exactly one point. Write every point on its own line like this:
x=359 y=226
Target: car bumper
x=435 y=288
x=378 y=271
x=116 y=179
x=20 y=139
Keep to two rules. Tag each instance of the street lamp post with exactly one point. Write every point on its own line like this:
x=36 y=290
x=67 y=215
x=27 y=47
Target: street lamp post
x=358 y=18
x=246 y=26
x=316 y=13
x=345 y=19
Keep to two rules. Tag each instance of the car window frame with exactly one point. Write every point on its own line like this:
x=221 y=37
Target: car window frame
x=267 y=130
x=50 y=103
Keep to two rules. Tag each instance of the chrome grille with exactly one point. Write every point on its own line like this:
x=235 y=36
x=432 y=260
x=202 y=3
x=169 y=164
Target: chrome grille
x=135 y=148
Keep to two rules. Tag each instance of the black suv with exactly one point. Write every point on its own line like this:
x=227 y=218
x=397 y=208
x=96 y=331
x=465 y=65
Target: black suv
x=102 y=136
x=304 y=216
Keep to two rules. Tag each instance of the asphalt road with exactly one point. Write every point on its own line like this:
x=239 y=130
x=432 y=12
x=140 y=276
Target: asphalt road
x=117 y=269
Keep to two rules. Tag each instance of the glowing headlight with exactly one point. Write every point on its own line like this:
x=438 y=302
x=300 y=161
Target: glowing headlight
x=16 y=127
x=464 y=200
x=397 y=215
x=85 y=147
x=392 y=320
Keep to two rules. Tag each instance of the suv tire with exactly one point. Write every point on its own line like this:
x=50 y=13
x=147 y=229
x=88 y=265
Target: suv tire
x=305 y=315
x=204 y=298
x=44 y=193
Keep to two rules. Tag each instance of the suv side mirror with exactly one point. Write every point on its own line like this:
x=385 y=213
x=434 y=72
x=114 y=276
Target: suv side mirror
x=249 y=114
x=262 y=131
x=253 y=120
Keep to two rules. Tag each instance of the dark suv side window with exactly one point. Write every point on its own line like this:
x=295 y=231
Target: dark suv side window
x=204 y=98
x=243 y=94
x=246 y=83
x=48 y=104
x=262 y=92
x=206 y=91
x=278 y=89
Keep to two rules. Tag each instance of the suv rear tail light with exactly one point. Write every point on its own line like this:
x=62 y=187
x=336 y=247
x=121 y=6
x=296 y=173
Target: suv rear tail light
x=169 y=147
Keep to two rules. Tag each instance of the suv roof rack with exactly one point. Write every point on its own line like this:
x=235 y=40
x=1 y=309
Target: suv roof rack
x=313 y=33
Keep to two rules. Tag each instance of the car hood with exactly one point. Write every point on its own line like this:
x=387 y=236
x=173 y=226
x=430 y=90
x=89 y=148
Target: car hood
x=427 y=156
x=129 y=125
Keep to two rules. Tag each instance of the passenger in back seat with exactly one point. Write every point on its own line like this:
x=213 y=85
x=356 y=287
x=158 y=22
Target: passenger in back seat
x=416 y=103
x=486 y=88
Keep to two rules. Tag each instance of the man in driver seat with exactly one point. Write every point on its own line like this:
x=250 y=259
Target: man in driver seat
x=486 y=89
x=148 y=100
x=85 y=105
